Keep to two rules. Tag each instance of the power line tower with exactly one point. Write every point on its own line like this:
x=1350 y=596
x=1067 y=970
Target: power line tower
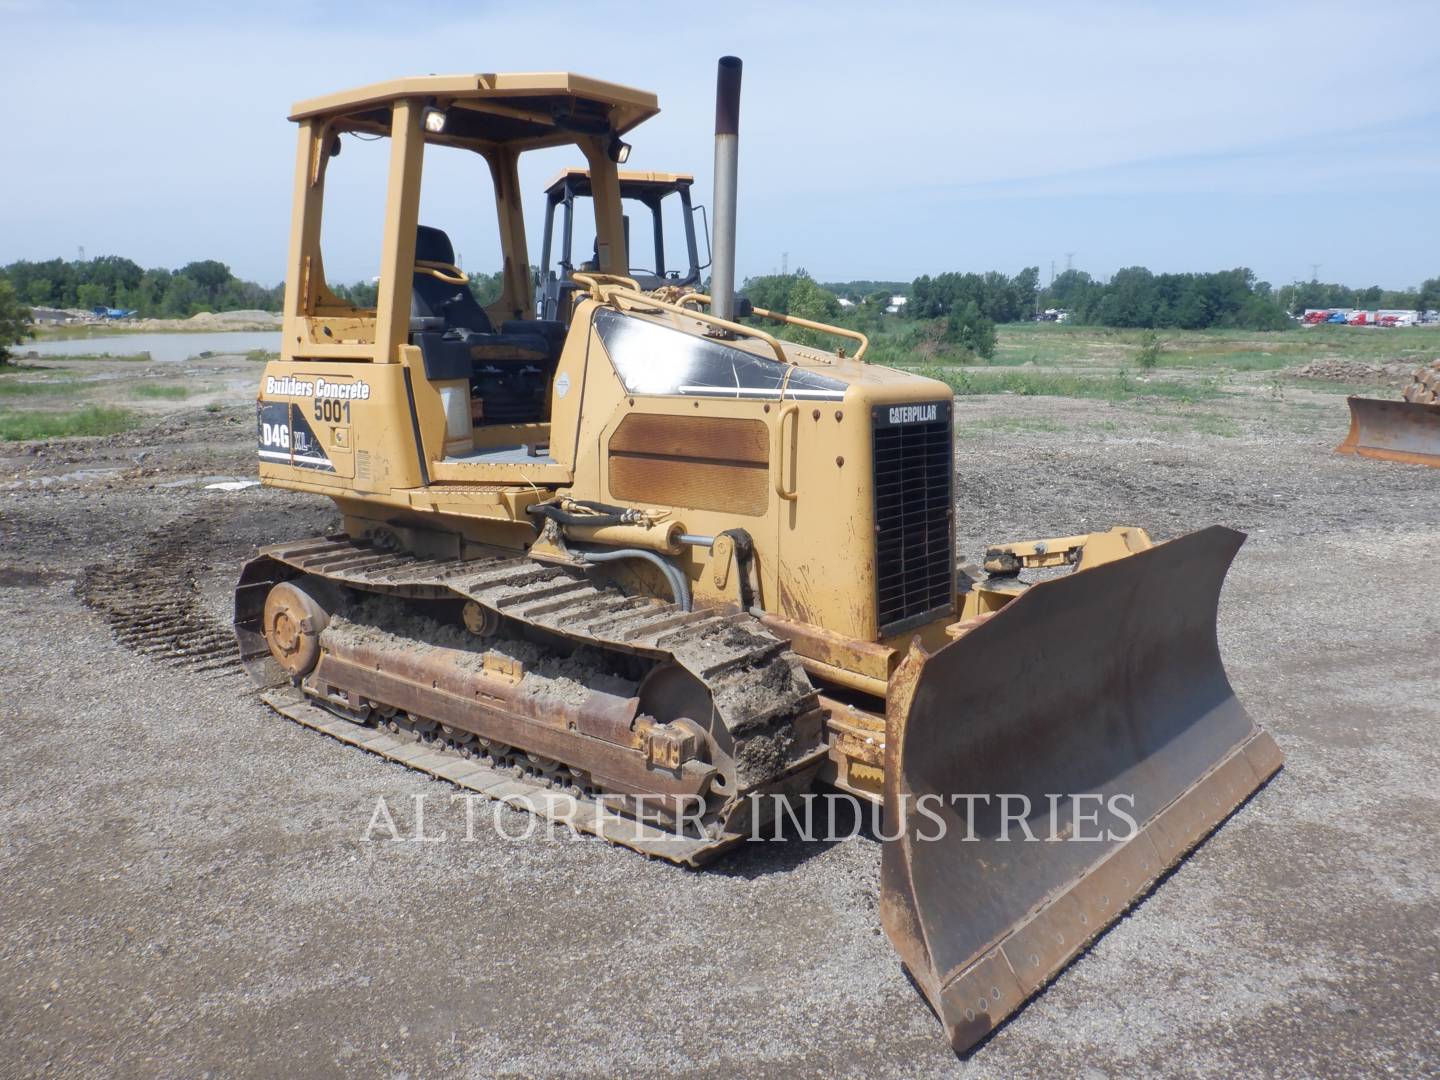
x=1315 y=271
x=1069 y=261
x=784 y=264
x=81 y=249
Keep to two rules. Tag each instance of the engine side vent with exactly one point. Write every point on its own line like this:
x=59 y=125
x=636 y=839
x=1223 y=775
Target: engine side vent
x=914 y=514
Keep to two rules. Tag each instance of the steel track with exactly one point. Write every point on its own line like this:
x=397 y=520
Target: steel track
x=757 y=685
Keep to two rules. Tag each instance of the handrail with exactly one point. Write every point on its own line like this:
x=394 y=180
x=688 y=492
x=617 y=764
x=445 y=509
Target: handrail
x=795 y=320
x=786 y=411
x=620 y=296
x=591 y=279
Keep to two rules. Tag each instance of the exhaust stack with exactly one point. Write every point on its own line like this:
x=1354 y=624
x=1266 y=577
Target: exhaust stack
x=727 y=149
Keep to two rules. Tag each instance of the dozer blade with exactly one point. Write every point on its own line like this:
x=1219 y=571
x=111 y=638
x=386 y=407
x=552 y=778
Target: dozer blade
x=1393 y=431
x=1105 y=684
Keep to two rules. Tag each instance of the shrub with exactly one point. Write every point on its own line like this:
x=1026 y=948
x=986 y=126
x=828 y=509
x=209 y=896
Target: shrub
x=1150 y=348
x=15 y=322
x=970 y=330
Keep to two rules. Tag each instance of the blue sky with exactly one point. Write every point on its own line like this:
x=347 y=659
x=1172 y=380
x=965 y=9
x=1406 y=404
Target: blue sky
x=879 y=141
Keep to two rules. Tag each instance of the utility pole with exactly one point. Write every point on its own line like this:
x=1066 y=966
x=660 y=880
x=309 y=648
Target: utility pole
x=1052 y=271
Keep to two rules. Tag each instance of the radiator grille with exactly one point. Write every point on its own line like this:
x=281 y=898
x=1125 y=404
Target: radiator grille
x=914 y=514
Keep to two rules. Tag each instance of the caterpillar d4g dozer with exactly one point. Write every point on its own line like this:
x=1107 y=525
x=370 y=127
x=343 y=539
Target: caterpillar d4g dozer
x=647 y=570
x=1407 y=430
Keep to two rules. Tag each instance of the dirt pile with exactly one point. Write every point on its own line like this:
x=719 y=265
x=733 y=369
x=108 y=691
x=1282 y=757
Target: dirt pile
x=207 y=321
x=1342 y=370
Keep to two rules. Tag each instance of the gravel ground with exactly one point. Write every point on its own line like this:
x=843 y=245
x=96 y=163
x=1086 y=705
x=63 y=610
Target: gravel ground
x=187 y=890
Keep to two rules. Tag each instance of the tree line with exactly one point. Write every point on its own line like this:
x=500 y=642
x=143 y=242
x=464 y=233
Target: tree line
x=958 y=312
x=1138 y=298
x=1319 y=294
x=1135 y=298
x=207 y=285
x=118 y=282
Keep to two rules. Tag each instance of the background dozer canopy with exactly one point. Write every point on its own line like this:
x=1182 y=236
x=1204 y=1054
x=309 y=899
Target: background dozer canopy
x=661 y=244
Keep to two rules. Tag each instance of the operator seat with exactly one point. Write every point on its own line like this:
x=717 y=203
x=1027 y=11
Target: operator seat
x=509 y=370
x=432 y=298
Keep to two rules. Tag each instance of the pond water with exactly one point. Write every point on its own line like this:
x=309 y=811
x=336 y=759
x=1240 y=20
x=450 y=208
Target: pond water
x=166 y=347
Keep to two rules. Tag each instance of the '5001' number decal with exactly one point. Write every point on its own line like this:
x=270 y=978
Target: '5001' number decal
x=332 y=412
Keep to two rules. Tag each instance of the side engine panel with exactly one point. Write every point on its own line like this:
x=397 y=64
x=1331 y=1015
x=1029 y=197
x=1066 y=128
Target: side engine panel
x=347 y=426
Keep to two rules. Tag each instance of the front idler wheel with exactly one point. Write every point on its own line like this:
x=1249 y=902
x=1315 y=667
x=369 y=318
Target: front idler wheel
x=292 y=623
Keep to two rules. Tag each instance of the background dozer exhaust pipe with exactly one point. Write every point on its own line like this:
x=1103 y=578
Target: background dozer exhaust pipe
x=727 y=151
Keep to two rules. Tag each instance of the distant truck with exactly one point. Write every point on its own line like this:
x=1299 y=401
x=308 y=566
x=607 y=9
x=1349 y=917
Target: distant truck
x=113 y=312
x=1388 y=317
x=1317 y=316
x=1396 y=317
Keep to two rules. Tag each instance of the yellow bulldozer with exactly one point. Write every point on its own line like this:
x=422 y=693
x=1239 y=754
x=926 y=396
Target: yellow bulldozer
x=649 y=570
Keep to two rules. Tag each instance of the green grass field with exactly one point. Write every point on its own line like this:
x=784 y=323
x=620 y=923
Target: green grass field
x=91 y=420
x=152 y=390
x=1192 y=365
x=1217 y=383
x=35 y=387
x=1119 y=385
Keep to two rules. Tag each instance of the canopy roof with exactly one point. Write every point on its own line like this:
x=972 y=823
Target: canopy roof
x=631 y=181
x=533 y=109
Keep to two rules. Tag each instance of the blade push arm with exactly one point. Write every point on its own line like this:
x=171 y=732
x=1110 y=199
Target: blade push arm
x=1082 y=552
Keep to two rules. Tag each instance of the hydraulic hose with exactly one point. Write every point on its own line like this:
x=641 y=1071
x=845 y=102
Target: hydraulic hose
x=564 y=517
x=679 y=584
x=604 y=513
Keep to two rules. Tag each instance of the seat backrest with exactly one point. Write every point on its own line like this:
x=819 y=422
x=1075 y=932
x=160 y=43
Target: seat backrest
x=432 y=298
